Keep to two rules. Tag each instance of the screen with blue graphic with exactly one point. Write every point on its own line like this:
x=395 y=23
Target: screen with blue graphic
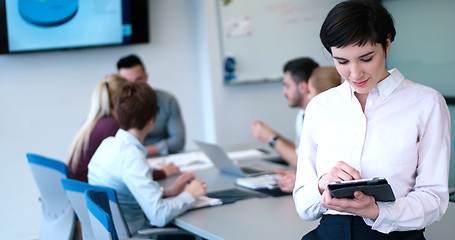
x=37 y=25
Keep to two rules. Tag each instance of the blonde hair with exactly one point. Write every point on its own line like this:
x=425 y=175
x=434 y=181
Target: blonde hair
x=101 y=103
x=324 y=78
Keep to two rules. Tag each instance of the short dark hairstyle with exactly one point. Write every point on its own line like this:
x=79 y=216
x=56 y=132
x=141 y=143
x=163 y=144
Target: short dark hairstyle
x=300 y=68
x=129 y=61
x=136 y=105
x=357 y=22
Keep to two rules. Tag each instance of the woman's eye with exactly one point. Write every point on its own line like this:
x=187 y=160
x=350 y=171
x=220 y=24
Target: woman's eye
x=342 y=62
x=367 y=60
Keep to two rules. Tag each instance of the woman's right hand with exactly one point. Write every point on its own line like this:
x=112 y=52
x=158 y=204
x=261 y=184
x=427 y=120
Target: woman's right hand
x=179 y=184
x=197 y=187
x=340 y=172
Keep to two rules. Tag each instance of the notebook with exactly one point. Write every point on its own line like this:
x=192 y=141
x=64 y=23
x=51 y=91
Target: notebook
x=225 y=164
x=268 y=181
x=204 y=201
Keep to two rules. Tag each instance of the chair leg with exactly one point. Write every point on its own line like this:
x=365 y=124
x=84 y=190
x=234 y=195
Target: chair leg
x=77 y=231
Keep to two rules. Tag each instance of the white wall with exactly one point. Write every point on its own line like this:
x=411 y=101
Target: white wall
x=44 y=97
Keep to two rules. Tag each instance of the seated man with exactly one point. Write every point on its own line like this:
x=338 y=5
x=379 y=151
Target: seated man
x=120 y=163
x=321 y=79
x=168 y=136
x=295 y=89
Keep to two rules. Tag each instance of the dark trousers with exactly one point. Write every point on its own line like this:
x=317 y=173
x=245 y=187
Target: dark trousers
x=354 y=228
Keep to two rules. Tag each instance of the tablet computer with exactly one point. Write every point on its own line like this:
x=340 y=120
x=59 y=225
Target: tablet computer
x=379 y=188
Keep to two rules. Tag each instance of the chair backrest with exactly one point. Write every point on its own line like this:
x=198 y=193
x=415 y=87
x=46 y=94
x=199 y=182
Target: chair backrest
x=47 y=173
x=75 y=190
x=100 y=215
x=58 y=219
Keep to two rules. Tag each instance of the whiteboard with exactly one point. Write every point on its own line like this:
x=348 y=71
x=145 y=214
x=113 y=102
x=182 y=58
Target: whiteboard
x=262 y=35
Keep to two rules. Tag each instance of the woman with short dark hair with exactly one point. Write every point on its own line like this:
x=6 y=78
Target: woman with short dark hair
x=376 y=124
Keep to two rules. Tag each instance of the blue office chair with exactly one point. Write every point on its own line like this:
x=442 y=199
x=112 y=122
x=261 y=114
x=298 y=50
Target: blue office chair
x=100 y=215
x=58 y=218
x=75 y=190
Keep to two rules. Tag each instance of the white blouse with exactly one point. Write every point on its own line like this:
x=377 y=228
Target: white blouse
x=403 y=135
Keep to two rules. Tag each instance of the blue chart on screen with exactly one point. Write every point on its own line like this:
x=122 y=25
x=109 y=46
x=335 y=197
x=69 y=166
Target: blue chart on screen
x=47 y=12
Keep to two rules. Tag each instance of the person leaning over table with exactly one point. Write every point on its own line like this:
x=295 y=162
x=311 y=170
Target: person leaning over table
x=322 y=79
x=120 y=163
x=168 y=136
x=101 y=123
x=376 y=124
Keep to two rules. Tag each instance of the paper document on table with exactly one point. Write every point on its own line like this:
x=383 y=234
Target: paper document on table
x=268 y=181
x=204 y=201
x=250 y=153
x=189 y=161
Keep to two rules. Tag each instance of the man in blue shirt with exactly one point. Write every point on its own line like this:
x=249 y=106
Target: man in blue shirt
x=168 y=136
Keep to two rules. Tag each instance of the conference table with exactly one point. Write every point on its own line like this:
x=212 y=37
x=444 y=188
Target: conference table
x=265 y=218
x=254 y=218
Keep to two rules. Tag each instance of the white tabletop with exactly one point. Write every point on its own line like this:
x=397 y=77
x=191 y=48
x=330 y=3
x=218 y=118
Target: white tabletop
x=255 y=218
x=265 y=218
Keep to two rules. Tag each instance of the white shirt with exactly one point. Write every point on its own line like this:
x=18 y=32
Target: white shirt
x=120 y=163
x=298 y=127
x=403 y=135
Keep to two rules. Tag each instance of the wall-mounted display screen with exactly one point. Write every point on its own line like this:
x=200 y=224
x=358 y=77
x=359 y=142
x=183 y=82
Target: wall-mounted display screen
x=38 y=25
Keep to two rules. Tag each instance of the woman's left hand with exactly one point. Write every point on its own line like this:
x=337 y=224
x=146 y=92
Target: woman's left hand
x=361 y=205
x=171 y=169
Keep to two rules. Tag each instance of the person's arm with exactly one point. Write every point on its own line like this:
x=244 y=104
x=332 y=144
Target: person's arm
x=187 y=182
x=306 y=193
x=176 y=132
x=166 y=171
x=148 y=194
x=428 y=200
x=286 y=181
x=285 y=148
x=158 y=174
x=153 y=150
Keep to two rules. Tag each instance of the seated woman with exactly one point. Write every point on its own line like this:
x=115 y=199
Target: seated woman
x=100 y=124
x=120 y=163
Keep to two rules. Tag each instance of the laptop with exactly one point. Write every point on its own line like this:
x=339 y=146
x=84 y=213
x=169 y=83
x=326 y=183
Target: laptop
x=227 y=165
